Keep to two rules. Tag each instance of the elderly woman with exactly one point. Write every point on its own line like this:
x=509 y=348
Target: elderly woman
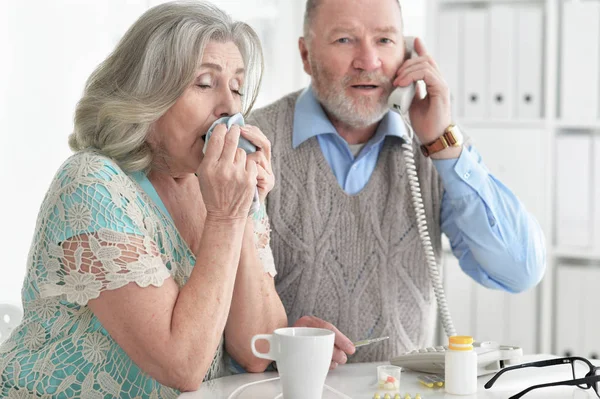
x=145 y=266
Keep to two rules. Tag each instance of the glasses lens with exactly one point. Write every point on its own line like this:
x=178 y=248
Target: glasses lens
x=580 y=370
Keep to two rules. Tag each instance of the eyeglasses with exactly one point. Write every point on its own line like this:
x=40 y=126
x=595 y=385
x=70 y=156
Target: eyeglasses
x=585 y=374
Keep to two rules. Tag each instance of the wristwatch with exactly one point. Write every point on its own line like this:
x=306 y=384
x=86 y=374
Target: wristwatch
x=452 y=137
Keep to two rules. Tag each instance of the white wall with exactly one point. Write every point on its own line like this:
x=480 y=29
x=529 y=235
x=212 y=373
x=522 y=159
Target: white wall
x=48 y=50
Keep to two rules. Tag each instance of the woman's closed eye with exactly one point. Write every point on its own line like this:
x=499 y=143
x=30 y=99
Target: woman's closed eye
x=236 y=87
x=235 y=91
x=206 y=80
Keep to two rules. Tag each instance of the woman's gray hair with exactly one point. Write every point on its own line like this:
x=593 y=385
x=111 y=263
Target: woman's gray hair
x=155 y=61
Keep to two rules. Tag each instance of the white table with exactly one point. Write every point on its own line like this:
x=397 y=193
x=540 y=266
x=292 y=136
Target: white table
x=359 y=382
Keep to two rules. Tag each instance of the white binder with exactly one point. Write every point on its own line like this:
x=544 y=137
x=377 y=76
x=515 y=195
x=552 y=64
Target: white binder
x=502 y=61
x=475 y=79
x=573 y=191
x=490 y=326
x=596 y=187
x=569 y=310
x=520 y=311
x=589 y=325
x=460 y=295
x=530 y=74
x=449 y=55
x=580 y=58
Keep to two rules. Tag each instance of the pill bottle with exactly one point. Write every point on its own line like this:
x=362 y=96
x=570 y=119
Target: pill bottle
x=461 y=366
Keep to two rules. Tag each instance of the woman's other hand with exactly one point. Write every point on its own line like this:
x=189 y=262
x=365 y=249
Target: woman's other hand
x=227 y=177
x=262 y=158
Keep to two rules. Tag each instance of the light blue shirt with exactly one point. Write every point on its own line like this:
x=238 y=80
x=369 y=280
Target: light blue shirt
x=497 y=242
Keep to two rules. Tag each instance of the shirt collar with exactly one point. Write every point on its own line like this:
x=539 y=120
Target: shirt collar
x=310 y=120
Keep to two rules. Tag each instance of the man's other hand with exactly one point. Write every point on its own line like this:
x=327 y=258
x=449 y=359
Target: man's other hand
x=342 y=346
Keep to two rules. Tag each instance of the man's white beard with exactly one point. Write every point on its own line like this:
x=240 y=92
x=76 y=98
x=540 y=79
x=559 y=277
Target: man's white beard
x=356 y=112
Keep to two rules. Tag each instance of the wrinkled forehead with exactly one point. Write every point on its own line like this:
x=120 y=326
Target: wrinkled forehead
x=223 y=57
x=366 y=15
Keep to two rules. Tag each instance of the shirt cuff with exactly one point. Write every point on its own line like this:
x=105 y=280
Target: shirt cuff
x=461 y=176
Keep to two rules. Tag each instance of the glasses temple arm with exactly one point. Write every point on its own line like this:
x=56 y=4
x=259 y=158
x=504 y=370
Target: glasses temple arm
x=541 y=363
x=579 y=381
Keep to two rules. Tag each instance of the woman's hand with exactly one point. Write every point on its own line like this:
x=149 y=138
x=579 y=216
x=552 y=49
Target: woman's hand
x=227 y=177
x=262 y=157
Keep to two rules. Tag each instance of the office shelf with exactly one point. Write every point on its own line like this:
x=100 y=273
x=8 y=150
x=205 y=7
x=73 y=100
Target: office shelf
x=486 y=2
x=503 y=123
x=576 y=254
x=543 y=137
x=577 y=125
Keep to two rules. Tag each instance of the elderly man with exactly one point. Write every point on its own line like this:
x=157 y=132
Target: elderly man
x=344 y=231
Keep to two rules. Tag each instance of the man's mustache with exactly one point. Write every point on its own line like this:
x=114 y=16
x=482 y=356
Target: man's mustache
x=370 y=77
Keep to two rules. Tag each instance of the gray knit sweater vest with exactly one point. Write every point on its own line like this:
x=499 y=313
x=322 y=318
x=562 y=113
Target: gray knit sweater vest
x=355 y=261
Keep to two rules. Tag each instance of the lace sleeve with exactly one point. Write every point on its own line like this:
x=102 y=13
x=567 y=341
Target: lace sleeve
x=262 y=237
x=94 y=233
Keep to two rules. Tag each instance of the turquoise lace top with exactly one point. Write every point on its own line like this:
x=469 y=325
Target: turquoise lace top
x=91 y=213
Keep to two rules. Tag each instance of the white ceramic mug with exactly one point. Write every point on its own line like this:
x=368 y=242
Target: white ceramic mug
x=303 y=356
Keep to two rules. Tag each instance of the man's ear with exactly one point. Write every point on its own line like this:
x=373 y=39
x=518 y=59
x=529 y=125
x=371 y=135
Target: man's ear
x=304 y=55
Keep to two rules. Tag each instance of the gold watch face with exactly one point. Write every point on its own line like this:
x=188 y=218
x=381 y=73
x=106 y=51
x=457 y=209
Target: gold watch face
x=456 y=134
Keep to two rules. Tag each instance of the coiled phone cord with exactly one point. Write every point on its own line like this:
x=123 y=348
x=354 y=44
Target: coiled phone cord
x=417 y=200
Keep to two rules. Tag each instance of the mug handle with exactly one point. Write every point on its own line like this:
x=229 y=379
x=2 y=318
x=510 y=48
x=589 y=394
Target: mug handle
x=267 y=337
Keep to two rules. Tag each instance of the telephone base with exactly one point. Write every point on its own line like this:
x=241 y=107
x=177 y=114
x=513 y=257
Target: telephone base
x=491 y=357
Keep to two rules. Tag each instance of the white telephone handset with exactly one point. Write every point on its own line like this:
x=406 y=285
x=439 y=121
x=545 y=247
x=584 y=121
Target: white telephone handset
x=402 y=97
x=491 y=356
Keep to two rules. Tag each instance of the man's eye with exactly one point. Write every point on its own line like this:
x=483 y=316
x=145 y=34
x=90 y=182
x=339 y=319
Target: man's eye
x=385 y=40
x=343 y=40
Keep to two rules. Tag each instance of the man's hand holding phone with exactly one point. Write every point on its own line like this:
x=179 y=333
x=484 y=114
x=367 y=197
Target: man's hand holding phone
x=430 y=115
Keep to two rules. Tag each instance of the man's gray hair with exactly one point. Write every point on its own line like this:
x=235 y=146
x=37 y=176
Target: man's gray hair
x=309 y=13
x=152 y=65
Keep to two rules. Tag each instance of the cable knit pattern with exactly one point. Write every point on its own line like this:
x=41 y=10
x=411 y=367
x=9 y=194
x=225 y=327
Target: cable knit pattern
x=354 y=260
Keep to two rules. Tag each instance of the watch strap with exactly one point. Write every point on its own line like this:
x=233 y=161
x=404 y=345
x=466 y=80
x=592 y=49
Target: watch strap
x=448 y=139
